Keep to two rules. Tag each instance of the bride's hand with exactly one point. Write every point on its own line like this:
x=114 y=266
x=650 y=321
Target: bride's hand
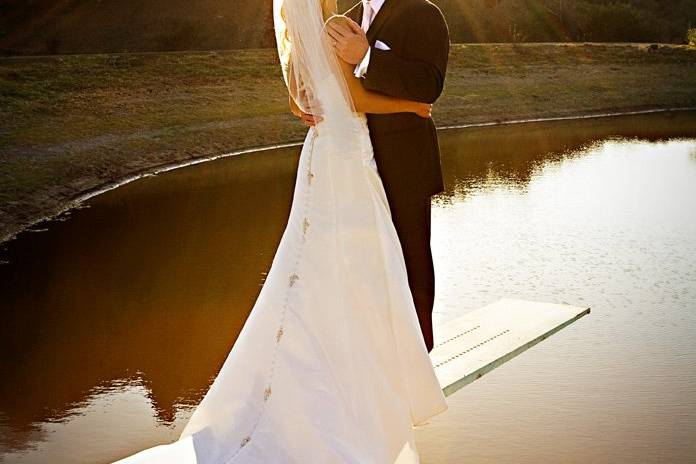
x=424 y=110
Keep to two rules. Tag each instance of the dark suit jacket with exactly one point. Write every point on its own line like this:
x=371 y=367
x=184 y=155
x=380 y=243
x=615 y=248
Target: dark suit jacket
x=405 y=145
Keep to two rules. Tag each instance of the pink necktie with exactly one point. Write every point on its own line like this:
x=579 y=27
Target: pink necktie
x=368 y=12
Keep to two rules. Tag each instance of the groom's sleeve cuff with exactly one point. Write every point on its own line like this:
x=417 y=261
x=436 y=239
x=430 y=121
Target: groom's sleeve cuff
x=361 y=68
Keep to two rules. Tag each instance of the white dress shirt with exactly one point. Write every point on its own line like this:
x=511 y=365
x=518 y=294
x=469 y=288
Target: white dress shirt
x=370 y=10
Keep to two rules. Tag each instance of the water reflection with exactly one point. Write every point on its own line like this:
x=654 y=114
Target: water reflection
x=117 y=319
x=151 y=283
x=510 y=154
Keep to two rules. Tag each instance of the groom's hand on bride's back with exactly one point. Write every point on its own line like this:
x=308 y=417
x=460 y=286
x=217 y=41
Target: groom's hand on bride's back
x=307 y=119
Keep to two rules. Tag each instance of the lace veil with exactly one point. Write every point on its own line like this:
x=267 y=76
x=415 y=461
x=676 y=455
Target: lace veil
x=310 y=67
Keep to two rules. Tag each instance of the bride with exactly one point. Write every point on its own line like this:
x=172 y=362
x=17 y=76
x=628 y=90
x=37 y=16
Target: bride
x=330 y=366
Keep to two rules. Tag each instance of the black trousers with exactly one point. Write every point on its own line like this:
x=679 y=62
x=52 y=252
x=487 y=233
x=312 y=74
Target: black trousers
x=411 y=217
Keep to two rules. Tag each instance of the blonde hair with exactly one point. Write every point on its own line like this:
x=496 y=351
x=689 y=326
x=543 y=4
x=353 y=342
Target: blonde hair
x=328 y=8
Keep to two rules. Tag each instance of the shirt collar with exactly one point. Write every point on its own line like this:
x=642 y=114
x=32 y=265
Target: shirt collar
x=375 y=4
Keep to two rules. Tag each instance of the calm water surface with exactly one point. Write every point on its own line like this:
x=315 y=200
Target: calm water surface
x=117 y=317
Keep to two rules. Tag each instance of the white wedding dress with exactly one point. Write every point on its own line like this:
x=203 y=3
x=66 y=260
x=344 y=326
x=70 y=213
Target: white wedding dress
x=330 y=366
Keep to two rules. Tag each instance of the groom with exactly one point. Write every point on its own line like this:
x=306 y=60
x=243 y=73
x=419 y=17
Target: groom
x=400 y=49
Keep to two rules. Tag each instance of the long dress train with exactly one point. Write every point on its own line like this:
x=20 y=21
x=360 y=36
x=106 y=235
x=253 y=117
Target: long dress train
x=330 y=366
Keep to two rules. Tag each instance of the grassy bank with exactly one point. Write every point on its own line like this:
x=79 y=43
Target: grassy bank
x=71 y=123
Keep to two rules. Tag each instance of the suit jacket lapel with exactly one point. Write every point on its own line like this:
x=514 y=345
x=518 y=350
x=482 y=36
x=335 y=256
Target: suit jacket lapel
x=378 y=20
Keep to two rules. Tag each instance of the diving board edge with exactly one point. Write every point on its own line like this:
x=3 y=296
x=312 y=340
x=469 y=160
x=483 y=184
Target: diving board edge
x=455 y=386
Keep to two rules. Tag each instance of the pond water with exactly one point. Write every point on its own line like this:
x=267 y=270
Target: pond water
x=117 y=316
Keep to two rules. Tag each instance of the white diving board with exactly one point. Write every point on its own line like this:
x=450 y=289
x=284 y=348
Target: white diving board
x=476 y=343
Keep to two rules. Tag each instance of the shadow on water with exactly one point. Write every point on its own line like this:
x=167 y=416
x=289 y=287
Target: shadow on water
x=144 y=290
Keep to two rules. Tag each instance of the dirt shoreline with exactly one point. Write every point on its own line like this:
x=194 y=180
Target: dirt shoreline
x=72 y=126
x=75 y=202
